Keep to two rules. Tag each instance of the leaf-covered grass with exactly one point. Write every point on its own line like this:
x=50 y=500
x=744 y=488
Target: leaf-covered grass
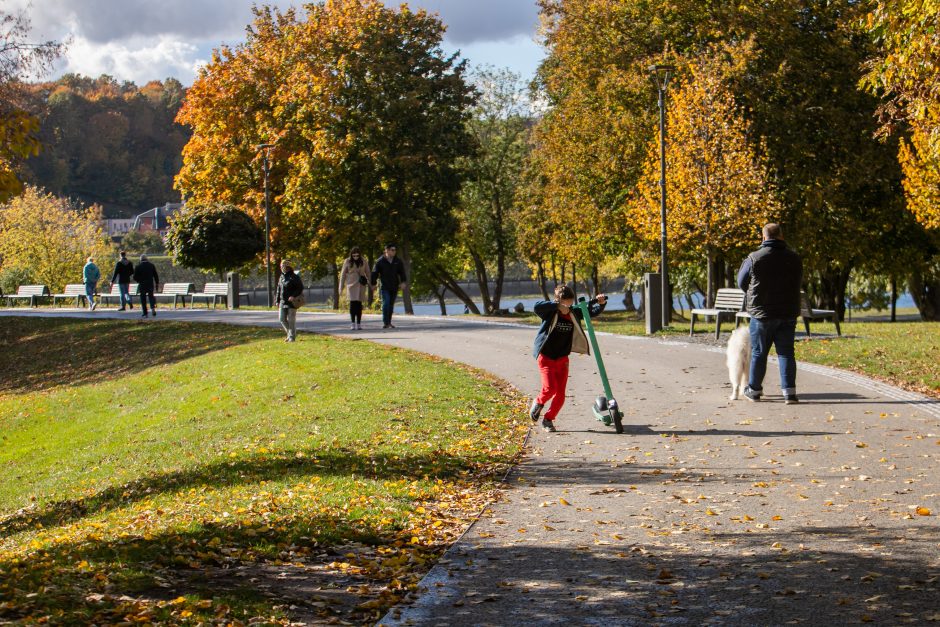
x=906 y=354
x=175 y=472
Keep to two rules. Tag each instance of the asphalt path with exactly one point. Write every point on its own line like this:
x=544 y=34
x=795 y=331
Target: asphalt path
x=704 y=512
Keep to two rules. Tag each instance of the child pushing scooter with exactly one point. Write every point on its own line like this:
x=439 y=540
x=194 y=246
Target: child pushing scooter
x=559 y=335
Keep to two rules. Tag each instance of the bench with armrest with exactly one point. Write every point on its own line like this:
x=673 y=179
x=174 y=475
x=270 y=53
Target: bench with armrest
x=177 y=291
x=31 y=292
x=807 y=313
x=728 y=302
x=217 y=293
x=115 y=293
x=811 y=315
x=72 y=290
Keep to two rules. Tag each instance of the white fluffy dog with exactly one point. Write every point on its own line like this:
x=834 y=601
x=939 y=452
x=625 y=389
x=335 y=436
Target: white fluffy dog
x=739 y=360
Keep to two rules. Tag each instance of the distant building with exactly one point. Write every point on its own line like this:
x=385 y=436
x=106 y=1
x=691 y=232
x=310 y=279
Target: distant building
x=117 y=227
x=156 y=219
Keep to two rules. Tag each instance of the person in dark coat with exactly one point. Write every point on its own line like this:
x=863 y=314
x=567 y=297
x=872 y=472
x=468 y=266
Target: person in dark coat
x=123 y=272
x=772 y=276
x=148 y=283
x=289 y=288
x=391 y=271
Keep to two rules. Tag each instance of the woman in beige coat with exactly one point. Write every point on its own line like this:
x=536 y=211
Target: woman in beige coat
x=355 y=278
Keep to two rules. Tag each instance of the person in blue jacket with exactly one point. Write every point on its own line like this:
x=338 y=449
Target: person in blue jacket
x=559 y=335
x=90 y=276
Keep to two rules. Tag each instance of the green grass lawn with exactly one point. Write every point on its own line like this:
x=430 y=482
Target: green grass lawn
x=151 y=471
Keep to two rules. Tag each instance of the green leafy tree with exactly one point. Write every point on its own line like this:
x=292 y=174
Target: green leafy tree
x=214 y=238
x=499 y=127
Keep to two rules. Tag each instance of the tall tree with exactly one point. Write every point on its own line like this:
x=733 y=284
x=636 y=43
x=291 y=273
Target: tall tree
x=720 y=188
x=368 y=116
x=19 y=58
x=493 y=178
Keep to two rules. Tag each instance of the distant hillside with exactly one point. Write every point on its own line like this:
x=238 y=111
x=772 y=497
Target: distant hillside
x=109 y=143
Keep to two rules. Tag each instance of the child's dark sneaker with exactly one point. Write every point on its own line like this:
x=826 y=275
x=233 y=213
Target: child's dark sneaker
x=548 y=425
x=752 y=395
x=535 y=411
x=792 y=399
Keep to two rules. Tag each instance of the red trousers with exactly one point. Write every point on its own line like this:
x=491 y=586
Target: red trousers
x=554 y=380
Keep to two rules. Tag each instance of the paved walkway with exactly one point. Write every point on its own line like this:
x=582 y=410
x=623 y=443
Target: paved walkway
x=705 y=511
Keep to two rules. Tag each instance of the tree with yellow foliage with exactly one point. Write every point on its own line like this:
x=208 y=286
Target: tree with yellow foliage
x=907 y=74
x=719 y=187
x=47 y=239
x=368 y=117
x=18 y=128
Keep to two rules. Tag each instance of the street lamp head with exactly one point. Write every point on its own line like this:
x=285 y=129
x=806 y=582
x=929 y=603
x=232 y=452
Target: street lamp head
x=661 y=74
x=261 y=147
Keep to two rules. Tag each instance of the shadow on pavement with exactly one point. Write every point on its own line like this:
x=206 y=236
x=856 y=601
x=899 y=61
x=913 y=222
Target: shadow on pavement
x=837 y=576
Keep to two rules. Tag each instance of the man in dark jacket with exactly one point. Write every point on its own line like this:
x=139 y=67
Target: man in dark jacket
x=772 y=276
x=148 y=283
x=391 y=271
x=123 y=271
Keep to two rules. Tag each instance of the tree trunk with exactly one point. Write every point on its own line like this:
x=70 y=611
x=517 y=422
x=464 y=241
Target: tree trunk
x=834 y=282
x=500 y=277
x=440 y=292
x=641 y=311
x=500 y=251
x=482 y=281
x=406 y=290
x=711 y=278
x=574 y=280
x=371 y=292
x=628 y=303
x=925 y=289
x=335 y=271
x=540 y=274
x=596 y=280
x=894 y=298
x=443 y=277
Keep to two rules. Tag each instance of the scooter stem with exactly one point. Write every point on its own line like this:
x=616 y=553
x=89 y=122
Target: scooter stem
x=585 y=310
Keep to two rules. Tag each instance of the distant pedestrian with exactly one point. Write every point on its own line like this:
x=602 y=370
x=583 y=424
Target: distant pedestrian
x=391 y=271
x=559 y=335
x=123 y=272
x=290 y=291
x=91 y=275
x=148 y=282
x=772 y=277
x=355 y=277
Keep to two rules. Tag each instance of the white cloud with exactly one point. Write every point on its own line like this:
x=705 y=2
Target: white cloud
x=141 y=40
x=136 y=59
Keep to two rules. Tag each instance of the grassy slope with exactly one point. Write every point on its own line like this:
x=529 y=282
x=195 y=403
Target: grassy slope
x=136 y=457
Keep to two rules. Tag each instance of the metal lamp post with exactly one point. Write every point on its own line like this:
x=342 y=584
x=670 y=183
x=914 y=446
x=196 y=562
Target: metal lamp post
x=661 y=75
x=267 y=220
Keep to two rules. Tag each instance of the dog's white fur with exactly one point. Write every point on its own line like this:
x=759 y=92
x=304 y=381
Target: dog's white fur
x=739 y=360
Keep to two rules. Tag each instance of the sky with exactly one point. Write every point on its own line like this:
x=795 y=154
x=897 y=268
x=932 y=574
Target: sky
x=143 y=40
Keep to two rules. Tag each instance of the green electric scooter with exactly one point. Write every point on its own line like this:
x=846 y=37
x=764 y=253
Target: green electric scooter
x=605 y=407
